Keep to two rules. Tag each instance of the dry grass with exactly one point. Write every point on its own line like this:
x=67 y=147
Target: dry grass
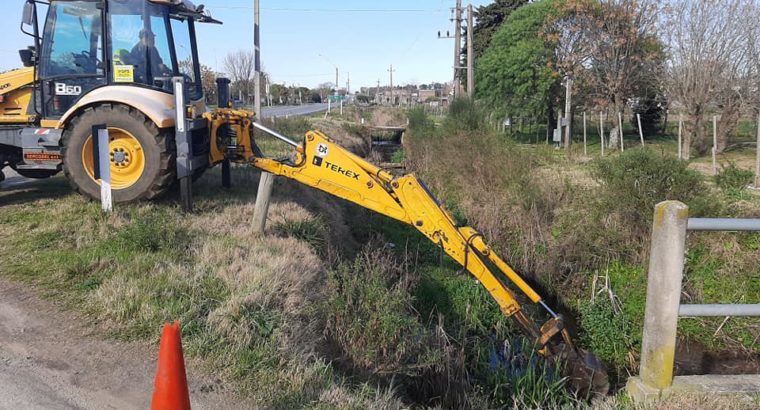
x=247 y=303
x=683 y=401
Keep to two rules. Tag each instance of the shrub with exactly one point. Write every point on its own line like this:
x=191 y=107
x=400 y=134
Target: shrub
x=398 y=157
x=465 y=114
x=419 y=120
x=634 y=182
x=732 y=178
x=607 y=332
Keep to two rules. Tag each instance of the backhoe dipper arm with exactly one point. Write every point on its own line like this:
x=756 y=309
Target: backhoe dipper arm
x=324 y=165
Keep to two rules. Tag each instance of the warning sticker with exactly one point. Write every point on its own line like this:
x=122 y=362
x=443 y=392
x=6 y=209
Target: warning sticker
x=322 y=150
x=39 y=156
x=123 y=73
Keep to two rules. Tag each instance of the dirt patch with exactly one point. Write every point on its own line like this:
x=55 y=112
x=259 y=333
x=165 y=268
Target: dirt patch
x=341 y=134
x=387 y=117
x=50 y=358
x=694 y=359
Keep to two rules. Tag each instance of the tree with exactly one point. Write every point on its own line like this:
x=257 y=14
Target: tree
x=625 y=51
x=240 y=66
x=710 y=47
x=280 y=94
x=489 y=19
x=516 y=73
x=208 y=80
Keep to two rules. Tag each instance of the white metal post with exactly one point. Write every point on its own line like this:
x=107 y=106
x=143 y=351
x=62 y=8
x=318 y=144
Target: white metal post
x=601 y=129
x=106 y=197
x=680 y=136
x=757 y=160
x=585 y=151
x=641 y=132
x=715 y=145
x=620 y=124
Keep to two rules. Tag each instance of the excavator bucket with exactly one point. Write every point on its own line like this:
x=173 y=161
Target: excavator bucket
x=585 y=373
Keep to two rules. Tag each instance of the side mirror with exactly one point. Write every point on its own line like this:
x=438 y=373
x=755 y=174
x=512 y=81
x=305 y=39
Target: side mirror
x=27 y=57
x=28 y=16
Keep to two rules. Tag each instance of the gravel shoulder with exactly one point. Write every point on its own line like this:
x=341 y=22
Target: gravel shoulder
x=51 y=359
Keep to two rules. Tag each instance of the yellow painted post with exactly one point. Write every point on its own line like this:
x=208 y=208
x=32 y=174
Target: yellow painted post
x=663 y=294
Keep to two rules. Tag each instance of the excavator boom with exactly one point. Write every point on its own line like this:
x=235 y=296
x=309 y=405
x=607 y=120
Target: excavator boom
x=322 y=164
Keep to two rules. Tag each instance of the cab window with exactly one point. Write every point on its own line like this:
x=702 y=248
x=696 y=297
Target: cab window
x=76 y=43
x=140 y=43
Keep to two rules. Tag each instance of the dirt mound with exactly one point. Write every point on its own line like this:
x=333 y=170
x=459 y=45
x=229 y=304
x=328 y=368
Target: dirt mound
x=387 y=117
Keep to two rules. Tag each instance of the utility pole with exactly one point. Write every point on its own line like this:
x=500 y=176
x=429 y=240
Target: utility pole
x=457 y=45
x=337 y=84
x=393 y=102
x=470 y=54
x=257 y=46
x=378 y=97
x=266 y=183
x=568 y=112
x=348 y=83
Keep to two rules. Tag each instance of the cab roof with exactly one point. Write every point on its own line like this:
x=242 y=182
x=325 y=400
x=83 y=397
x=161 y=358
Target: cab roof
x=189 y=9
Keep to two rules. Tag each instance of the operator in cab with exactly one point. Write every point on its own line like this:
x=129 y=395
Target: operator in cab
x=145 y=52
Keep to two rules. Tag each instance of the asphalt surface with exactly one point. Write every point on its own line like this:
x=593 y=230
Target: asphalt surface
x=12 y=179
x=292 y=110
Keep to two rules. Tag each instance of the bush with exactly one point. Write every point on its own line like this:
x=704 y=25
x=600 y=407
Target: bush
x=607 y=332
x=465 y=114
x=733 y=178
x=419 y=120
x=634 y=182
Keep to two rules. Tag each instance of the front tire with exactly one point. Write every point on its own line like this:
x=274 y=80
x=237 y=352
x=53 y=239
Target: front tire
x=142 y=156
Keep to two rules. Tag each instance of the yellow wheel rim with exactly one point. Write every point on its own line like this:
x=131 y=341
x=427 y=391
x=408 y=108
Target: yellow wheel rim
x=126 y=157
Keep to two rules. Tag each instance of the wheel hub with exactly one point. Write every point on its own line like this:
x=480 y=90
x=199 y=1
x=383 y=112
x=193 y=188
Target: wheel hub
x=126 y=157
x=119 y=157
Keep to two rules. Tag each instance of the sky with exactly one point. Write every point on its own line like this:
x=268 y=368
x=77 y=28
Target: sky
x=302 y=41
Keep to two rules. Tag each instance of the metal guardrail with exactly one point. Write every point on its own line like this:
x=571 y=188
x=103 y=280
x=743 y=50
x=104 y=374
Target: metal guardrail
x=724 y=224
x=665 y=277
x=718 y=310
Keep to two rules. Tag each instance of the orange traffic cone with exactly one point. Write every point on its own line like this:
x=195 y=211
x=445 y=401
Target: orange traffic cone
x=171 y=381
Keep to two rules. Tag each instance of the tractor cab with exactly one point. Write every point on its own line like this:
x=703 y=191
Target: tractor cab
x=88 y=44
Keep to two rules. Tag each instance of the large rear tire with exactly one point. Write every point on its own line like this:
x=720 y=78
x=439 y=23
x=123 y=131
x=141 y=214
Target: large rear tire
x=142 y=156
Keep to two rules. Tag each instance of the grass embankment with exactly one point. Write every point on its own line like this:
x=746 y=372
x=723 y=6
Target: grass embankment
x=303 y=317
x=321 y=312
x=580 y=231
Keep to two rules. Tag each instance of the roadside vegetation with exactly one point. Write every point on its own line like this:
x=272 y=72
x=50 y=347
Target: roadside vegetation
x=338 y=308
x=580 y=229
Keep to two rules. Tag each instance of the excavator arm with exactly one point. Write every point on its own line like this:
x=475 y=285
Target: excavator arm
x=322 y=164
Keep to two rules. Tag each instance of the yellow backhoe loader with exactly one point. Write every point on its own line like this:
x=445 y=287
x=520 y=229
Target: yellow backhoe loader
x=132 y=65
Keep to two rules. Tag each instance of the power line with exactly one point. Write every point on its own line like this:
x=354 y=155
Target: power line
x=332 y=10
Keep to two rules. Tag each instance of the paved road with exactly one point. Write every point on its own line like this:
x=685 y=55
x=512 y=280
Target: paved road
x=292 y=110
x=12 y=179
